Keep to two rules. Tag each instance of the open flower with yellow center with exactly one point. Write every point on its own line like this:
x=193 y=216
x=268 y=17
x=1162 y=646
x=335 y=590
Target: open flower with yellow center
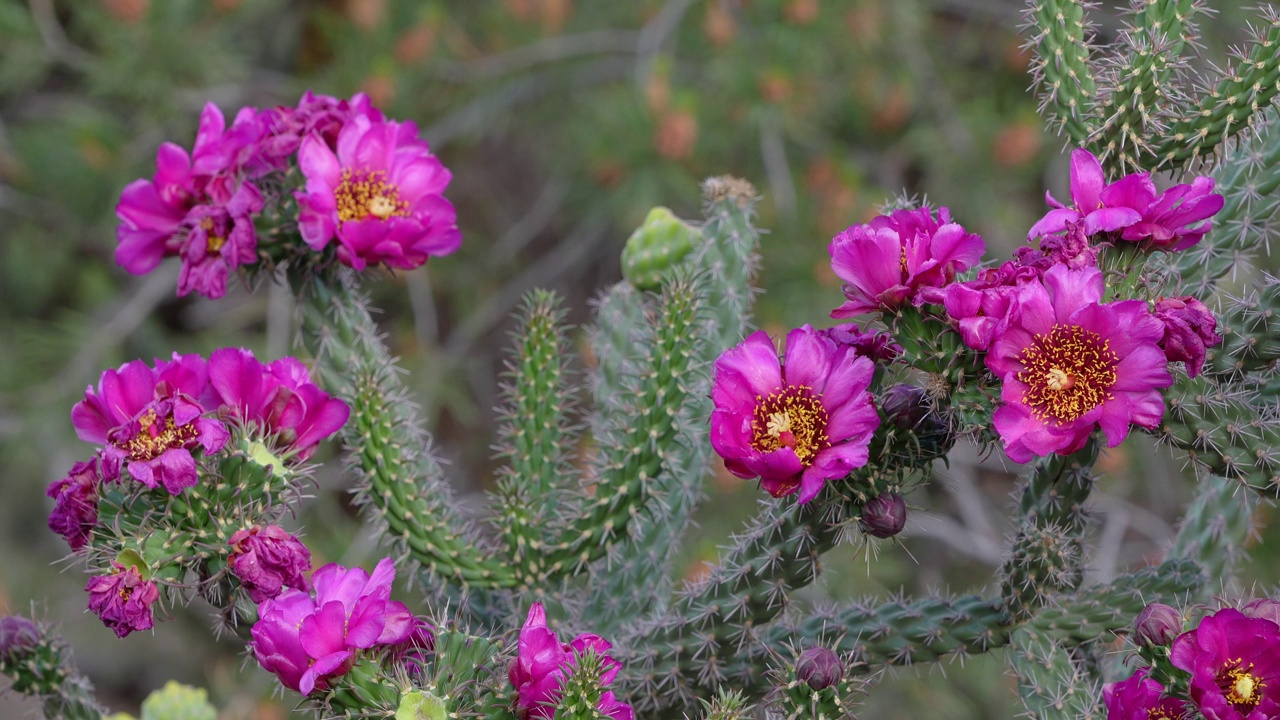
x=1234 y=662
x=379 y=194
x=797 y=423
x=1071 y=364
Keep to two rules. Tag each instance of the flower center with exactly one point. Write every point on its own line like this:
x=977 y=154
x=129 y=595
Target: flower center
x=212 y=243
x=792 y=417
x=1069 y=371
x=363 y=194
x=155 y=437
x=1241 y=688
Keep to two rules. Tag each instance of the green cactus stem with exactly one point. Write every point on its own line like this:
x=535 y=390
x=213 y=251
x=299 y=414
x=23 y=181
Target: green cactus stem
x=1051 y=683
x=660 y=243
x=1213 y=532
x=1062 y=73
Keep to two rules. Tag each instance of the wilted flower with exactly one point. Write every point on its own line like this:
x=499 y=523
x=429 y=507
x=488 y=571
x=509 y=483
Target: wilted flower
x=268 y=559
x=885 y=263
x=1189 y=328
x=123 y=599
x=876 y=345
x=1140 y=698
x=307 y=640
x=220 y=238
x=1070 y=364
x=794 y=424
x=321 y=115
x=1264 y=608
x=75 y=503
x=1234 y=662
x=17 y=633
x=379 y=194
x=542 y=662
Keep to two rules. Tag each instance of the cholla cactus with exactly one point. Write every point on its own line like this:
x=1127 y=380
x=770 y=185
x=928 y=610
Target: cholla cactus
x=1093 y=331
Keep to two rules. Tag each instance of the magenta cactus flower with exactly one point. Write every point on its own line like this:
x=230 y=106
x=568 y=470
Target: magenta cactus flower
x=220 y=238
x=307 y=640
x=75 y=503
x=1140 y=698
x=278 y=397
x=149 y=420
x=876 y=345
x=155 y=215
x=1070 y=364
x=1096 y=206
x=379 y=194
x=1176 y=219
x=1234 y=662
x=123 y=599
x=885 y=263
x=542 y=662
x=1189 y=328
x=268 y=559
x=797 y=423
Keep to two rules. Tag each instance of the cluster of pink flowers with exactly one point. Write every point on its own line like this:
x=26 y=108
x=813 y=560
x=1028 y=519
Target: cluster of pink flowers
x=154 y=422
x=371 y=184
x=542 y=661
x=1225 y=668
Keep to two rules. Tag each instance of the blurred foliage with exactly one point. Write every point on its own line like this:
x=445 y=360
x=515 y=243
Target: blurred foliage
x=563 y=123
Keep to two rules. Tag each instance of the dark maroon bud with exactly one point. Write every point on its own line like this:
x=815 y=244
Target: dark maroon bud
x=906 y=406
x=1157 y=625
x=17 y=633
x=819 y=668
x=884 y=516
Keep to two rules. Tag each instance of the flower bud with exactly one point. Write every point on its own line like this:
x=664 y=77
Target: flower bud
x=1157 y=625
x=884 y=516
x=1189 y=328
x=17 y=633
x=819 y=668
x=658 y=244
x=1264 y=608
x=905 y=405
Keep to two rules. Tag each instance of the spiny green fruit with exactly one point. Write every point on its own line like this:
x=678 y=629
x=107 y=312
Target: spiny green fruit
x=176 y=701
x=660 y=242
x=421 y=705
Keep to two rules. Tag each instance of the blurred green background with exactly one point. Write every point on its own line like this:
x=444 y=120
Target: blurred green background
x=563 y=122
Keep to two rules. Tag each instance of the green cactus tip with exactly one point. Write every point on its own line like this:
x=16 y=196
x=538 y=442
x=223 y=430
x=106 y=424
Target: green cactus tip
x=661 y=241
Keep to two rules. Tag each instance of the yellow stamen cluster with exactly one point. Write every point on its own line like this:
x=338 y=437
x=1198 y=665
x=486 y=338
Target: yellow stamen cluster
x=363 y=195
x=213 y=243
x=792 y=417
x=1241 y=688
x=152 y=440
x=1069 y=371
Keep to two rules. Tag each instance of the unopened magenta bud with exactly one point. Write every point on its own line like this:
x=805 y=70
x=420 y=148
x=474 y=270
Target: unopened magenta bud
x=905 y=405
x=819 y=668
x=17 y=633
x=884 y=516
x=1157 y=625
x=1264 y=608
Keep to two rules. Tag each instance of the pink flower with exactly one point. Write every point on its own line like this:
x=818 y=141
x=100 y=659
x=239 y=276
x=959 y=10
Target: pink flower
x=75 y=503
x=155 y=215
x=149 y=420
x=1098 y=207
x=885 y=263
x=1070 y=364
x=876 y=345
x=309 y=640
x=1177 y=219
x=1189 y=328
x=123 y=599
x=268 y=559
x=1140 y=698
x=1234 y=662
x=794 y=424
x=278 y=397
x=220 y=238
x=379 y=194
x=542 y=662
